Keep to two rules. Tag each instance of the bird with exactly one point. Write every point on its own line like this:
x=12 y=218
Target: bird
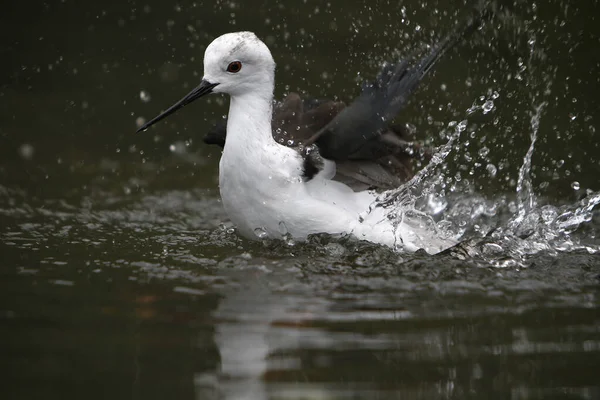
x=304 y=166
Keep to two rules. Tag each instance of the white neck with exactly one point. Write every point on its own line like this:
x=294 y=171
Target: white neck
x=255 y=172
x=249 y=121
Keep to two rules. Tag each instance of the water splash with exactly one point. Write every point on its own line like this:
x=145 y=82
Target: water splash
x=261 y=233
x=414 y=227
x=425 y=180
x=526 y=199
x=285 y=234
x=437 y=208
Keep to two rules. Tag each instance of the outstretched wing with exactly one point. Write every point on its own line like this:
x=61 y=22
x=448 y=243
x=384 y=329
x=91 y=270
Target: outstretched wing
x=360 y=130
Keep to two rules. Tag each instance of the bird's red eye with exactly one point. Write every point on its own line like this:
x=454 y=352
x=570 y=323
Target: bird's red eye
x=234 y=67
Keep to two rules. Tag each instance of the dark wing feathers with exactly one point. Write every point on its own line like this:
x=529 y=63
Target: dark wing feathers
x=369 y=116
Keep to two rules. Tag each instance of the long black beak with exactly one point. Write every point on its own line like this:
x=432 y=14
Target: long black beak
x=204 y=88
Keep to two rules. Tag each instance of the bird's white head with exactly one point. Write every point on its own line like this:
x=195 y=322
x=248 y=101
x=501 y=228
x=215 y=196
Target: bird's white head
x=235 y=63
x=239 y=63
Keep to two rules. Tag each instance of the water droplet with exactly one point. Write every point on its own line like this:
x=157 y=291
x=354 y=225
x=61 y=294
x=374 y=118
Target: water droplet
x=283 y=228
x=179 y=147
x=548 y=214
x=484 y=151
x=491 y=169
x=575 y=185
x=288 y=240
x=26 y=151
x=491 y=249
x=144 y=96
x=487 y=106
x=261 y=233
x=436 y=204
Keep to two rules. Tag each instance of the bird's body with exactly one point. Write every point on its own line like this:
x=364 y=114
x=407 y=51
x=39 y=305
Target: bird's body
x=262 y=185
x=270 y=190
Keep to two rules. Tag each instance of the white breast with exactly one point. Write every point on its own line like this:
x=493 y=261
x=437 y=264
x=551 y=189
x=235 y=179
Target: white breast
x=267 y=202
x=255 y=196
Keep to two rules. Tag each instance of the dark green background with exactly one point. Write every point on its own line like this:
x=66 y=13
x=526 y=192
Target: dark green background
x=72 y=74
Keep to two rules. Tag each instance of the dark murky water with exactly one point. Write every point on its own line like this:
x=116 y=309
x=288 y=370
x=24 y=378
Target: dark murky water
x=122 y=278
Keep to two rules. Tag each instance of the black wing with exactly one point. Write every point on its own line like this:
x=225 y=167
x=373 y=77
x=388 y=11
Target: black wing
x=359 y=131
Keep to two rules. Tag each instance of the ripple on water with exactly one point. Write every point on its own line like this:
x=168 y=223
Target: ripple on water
x=152 y=265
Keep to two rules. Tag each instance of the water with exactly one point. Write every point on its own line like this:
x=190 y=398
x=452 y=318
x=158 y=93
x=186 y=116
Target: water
x=122 y=277
x=443 y=218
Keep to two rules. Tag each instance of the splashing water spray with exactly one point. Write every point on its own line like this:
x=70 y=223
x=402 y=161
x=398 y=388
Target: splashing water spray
x=422 y=206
